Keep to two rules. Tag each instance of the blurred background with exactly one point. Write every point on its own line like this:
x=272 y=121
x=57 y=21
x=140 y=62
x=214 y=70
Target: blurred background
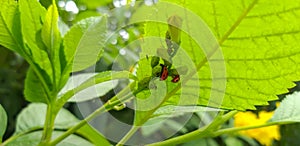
x=121 y=56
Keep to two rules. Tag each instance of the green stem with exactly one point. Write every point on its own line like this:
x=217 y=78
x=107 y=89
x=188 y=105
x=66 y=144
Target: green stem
x=235 y=129
x=77 y=126
x=180 y=139
x=12 y=138
x=54 y=76
x=62 y=100
x=127 y=136
x=199 y=133
x=106 y=107
x=221 y=119
x=122 y=94
x=205 y=132
x=49 y=125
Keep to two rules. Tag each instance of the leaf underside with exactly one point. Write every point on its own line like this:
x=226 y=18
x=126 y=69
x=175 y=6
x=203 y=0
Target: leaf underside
x=289 y=110
x=33 y=117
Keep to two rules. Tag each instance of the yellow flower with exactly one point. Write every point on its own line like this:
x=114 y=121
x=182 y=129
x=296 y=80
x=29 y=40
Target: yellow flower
x=264 y=135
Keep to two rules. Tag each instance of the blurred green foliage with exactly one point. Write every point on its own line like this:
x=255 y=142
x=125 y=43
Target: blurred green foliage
x=12 y=74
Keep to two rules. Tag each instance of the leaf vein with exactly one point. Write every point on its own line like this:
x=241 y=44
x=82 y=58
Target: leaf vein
x=275 y=13
x=265 y=35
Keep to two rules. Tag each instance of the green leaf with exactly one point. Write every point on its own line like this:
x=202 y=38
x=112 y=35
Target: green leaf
x=94 y=4
x=85 y=14
x=33 y=117
x=34 y=138
x=164 y=116
x=25 y=44
x=32 y=16
x=10 y=34
x=3 y=122
x=233 y=141
x=51 y=38
x=166 y=126
x=260 y=51
x=92 y=81
x=84 y=43
x=33 y=89
x=144 y=70
x=172 y=111
x=289 y=110
x=90 y=92
x=50 y=32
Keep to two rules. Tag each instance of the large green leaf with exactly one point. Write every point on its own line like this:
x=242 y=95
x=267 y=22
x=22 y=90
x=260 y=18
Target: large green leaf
x=90 y=92
x=33 y=117
x=258 y=40
x=84 y=43
x=3 y=122
x=34 y=138
x=88 y=82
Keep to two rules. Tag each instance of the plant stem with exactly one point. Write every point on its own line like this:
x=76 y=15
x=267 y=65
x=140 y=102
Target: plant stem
x=79 y=125
x=235 y=129
x=200 y=133
x=49 y=125
x=184 y=138
x=127 y=136
x=106 y=107
x=12 y=138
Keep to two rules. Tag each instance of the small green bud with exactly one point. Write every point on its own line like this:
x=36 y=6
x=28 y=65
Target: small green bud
x=173 y=72
x=156 y=71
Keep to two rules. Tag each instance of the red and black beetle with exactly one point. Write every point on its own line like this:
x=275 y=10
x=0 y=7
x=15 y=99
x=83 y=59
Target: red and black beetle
x=164 y=72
